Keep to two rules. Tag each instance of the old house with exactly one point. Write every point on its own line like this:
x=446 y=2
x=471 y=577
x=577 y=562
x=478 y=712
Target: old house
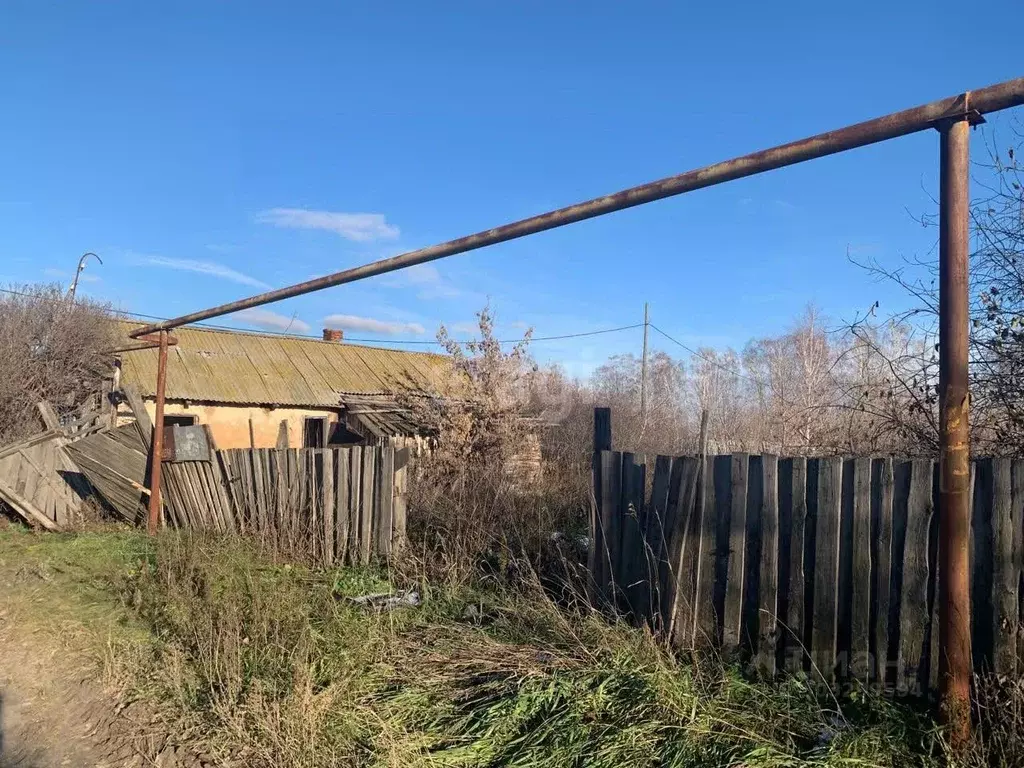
x=272 y=390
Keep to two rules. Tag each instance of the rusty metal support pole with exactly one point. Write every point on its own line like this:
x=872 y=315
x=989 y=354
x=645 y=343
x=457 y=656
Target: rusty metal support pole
x=157 y=442
x=955 y=468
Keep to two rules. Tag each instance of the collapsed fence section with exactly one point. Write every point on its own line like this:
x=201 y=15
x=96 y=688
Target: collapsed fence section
x=333 y=506
x=826 y=565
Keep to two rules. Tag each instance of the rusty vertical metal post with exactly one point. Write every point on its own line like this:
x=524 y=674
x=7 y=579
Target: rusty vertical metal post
x=157 y=442
x=955 y=469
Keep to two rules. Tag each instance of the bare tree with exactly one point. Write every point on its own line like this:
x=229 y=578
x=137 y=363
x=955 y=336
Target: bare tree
x=997 y=317
x=51 y=349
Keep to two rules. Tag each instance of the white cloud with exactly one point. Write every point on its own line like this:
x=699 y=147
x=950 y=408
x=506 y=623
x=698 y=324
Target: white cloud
x=371 y=325
x=359 y=227
x=205 y=268
x=272 y=321
x=430 y=284
x=85 y=277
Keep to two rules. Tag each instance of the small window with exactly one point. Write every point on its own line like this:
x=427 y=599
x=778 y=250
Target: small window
x=178 y=420
x=314 y=432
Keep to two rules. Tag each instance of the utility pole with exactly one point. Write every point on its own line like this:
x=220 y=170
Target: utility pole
x=78 y=273
x=643 y=372
x=954 y=437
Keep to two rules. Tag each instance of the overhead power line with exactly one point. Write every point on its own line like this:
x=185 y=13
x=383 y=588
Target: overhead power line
x=418 y=342
x=711 y=361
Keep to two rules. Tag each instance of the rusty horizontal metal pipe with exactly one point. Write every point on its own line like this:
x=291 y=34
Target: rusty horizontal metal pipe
x=990 y=99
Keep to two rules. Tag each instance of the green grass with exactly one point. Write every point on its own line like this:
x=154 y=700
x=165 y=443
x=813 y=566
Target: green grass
x=270 y=663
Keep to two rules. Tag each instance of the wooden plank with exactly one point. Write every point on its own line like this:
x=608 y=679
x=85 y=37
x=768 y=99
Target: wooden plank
x=280 y=459
x=386 y=494
x=680 y=563
x=982 y=571
x=400 y=514
x=630 y=547
x=341 y=502
x=914 y=599
x=595 y=531
x=33 y=475
x=230 y=483
x=749 y=620
x=736 y=572
x=705 y=624
x=860 y=592
x=210 y=472
x=47 y=485
x=657 y=535
x=183 y=474
x=25 y=508
x=602 y=430
x=314 y=472
x=368 y=504
x=260 y=513
x=294 y=493
x=932 y=639
x=355 y=485
x=328 y=508
x=611 y=497
x=144 y=424
x=201 y=472
x=1017 y=489
x=768 y=580
x=881 y=555
x=853 y=651
x=56 y=487
x=825 y=619
x=792 y=520
x=1005 y=573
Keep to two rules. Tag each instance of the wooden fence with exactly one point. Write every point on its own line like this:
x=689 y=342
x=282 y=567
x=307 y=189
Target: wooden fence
x=825 y=564
x=345 y=505
x=336 y=505
x=37 y=479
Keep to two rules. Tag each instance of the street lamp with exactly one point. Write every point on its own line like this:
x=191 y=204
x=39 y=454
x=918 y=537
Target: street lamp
x=78 y=272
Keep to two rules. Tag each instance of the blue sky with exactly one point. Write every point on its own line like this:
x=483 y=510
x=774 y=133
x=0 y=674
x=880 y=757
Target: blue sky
x=207 y=151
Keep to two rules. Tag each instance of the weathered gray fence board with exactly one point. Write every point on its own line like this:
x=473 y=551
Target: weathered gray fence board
x=732 y=619
x=819 y=564
x=611 y=483
x=860 y=587
x=705 y=630
x=1005 y=575
x=981 y=567
x=766 y=618
x=385 y=497
x=793 y=519
x=825 y=620
x=881 y=538
x=749 y=625
x=683 y=543
x=657 y=544
x=914 y=592
x=341 y=500
x=1017 y=490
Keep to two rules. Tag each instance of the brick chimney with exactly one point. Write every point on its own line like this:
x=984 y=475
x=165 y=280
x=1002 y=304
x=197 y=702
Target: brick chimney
x=330 y=334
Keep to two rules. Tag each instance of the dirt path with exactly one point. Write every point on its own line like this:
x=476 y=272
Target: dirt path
x=54 y=709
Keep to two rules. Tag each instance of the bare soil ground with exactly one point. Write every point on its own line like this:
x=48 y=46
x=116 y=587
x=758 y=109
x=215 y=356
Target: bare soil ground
x=58 y=709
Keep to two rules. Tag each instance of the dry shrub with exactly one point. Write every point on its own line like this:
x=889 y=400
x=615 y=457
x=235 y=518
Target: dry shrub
x=51 y=349
x=999 y=729
x=482 y=493
x=478 y=419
